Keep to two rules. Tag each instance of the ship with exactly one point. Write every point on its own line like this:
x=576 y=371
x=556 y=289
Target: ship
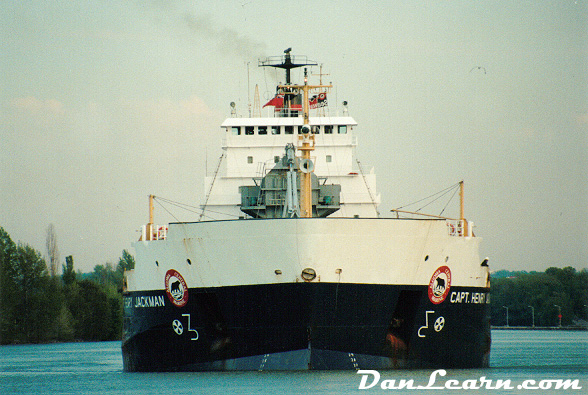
x=297 y=269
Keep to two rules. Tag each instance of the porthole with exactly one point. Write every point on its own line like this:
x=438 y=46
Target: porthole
x=308 y=274
x=189 y=261
x=426 y=258
x=446 y=259
x=156 y=263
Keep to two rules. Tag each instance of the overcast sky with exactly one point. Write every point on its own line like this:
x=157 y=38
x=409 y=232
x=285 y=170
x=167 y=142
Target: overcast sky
x=103 y=103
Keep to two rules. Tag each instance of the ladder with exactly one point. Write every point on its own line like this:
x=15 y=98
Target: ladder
x=211 y=185
x=368 y=187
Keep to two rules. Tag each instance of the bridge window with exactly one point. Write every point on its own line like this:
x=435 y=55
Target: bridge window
x=250 y=159
x=275 y=130
x=236 y=130
x=329 y=158
x=249 y=130
x=262 y=130
x=328 y=129
x=342 y=129
x=289 y=129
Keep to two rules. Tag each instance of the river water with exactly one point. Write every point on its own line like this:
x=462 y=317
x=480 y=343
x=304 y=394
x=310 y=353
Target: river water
x=96 y=368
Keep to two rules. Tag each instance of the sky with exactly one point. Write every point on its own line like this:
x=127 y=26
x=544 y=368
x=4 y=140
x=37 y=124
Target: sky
x=104 y=103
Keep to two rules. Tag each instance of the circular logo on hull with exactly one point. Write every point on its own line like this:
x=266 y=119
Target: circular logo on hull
x=176 y=288
x=439 y=285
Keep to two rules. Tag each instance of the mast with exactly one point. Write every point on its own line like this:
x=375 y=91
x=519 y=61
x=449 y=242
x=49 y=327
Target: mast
x=307 y=146
x=248 y=92
x=256 y=103
x=306 y=139
x=462 y=209
x=149 y=232
x=463 y=224
x=289 y=91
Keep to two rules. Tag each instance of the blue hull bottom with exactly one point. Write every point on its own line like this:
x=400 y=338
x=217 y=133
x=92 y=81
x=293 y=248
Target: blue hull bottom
x=297 y=360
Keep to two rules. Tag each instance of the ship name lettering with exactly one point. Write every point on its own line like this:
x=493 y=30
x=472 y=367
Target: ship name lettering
x=459 y=297
x=467 y=297
x=478 y=297
x=149 y=301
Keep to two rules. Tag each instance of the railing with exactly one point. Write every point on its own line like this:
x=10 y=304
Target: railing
x=152 y=232
x=161 y=233
x=281 y=59
x=275 y=201
x=455 y=227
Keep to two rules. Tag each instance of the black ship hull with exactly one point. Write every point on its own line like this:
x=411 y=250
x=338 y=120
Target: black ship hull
x=299 y=326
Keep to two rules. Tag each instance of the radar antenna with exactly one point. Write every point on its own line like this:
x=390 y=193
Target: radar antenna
x=286 y=62
x=289 y=92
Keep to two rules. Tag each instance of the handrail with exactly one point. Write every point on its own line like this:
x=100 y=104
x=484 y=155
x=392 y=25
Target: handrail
x=456 y=227
x=151 y=232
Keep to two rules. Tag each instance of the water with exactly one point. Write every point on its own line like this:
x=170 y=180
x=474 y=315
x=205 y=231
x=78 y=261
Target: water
x=96 y=368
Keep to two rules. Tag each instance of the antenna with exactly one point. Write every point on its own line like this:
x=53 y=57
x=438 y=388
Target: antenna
x=248 y=91
x=320 y=74
x=256 y=104
x=321 y=110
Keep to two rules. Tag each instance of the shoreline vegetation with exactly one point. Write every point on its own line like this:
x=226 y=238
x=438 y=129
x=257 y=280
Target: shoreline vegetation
x=554 y=299
x=39 y=306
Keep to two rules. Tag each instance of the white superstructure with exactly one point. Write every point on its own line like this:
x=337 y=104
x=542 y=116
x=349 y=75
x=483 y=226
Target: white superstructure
x=253 y=146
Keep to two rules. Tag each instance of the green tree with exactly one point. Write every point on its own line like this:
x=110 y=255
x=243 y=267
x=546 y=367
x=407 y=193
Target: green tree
x=105 y=276
x=89 y=307
x=38 y=307
x=565 y=288
x=37 y=304
x=581 y=292
x=69 y=275
x=7 y=298
x=54 y=303
x=126 y=262
x=52 y=250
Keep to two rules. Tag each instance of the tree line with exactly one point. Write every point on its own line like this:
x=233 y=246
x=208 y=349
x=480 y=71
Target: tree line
x=540 y=296
x=37 y=305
